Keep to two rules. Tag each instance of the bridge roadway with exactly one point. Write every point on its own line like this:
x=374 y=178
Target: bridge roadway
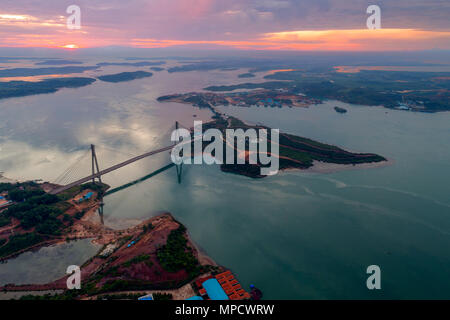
x=107 y=170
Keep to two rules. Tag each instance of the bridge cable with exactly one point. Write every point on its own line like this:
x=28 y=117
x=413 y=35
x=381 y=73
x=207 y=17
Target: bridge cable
x=63 y=175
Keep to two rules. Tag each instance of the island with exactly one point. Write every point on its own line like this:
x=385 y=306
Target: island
x=262 y=97
x=246 y=75
x=132 y=64
x=294 y=152
x=340 y=110
x=55 y=62
x=414 y=91
x=321 y=79
x=26 y=88
x=125 y=76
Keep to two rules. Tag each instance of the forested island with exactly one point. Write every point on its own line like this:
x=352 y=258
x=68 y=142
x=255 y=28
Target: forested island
x=26 y=88
x=294 y=151
x=125 y=76
x=55 y=62
x=246 y=75
x=132 y=64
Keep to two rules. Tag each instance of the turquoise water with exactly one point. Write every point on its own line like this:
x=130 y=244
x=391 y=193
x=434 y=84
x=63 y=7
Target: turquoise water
x=306 y=235
x=294 y=235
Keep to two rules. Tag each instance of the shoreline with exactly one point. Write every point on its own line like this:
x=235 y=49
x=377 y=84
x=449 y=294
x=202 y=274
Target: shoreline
x=325 y=167
x=162 y=223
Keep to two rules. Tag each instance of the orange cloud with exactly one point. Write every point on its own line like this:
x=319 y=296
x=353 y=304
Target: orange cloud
x=27 y=21
x=328 y=40
x=29 y=31
x=361 y=39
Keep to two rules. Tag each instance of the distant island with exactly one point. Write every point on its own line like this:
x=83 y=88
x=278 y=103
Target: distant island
x=131 y=64
x=401 y=90
x=263 y=97
x=157 y=69
x=125 y=76
x=26 y=88
x=340 y=110
x=56 y=62
x=246 y=75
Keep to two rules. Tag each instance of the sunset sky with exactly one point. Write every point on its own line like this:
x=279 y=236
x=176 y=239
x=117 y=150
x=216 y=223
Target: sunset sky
x=240 y=24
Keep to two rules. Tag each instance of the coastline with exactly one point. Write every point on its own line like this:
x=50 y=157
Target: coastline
x=4 y=179
x=163 y=224
x=325 y=167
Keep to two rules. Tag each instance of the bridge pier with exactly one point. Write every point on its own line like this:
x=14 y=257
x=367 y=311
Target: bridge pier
x=179 y=171
x=95 y=162
x=100 y=211
x=179 y=167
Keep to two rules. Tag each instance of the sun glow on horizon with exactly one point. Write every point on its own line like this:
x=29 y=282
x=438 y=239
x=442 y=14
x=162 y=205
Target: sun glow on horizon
x=70 y=46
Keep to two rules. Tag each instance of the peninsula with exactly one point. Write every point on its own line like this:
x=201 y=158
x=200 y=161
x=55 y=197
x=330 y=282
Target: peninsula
x=294 y=152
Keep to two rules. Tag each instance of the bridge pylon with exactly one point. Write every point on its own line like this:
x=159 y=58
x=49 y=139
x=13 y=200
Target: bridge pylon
x=95 y=165
x=179 y=167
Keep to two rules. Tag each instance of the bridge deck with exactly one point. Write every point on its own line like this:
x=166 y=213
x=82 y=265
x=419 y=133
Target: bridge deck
x=107 y=170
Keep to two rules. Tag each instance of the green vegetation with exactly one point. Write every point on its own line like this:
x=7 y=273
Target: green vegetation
x=70 y=193
x=125 y=76
x=40 y=214
x=175 y=255
x=295 y=151
x=4 y=221
x=19 y=242
x=26 y=88
x=37 y=209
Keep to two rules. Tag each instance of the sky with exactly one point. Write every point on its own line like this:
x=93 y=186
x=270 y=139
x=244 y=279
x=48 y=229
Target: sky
x=298 y=25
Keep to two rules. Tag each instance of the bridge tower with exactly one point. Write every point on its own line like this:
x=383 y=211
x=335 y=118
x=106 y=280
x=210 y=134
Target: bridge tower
x=179 y=167
x=95 y=164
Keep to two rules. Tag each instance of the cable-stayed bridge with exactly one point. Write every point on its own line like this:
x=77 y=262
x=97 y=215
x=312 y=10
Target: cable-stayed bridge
x=96 y=174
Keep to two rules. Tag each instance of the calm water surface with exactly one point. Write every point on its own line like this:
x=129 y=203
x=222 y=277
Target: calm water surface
x=294 y=235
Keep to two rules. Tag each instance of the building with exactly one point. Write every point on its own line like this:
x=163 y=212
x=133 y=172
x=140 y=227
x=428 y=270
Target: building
x=214 y=290
x=147 y=297
x=86 y=197
x=222 y=286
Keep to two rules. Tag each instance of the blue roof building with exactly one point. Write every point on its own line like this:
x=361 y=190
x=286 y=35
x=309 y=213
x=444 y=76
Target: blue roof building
x=214 y=290
x=88 y=195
